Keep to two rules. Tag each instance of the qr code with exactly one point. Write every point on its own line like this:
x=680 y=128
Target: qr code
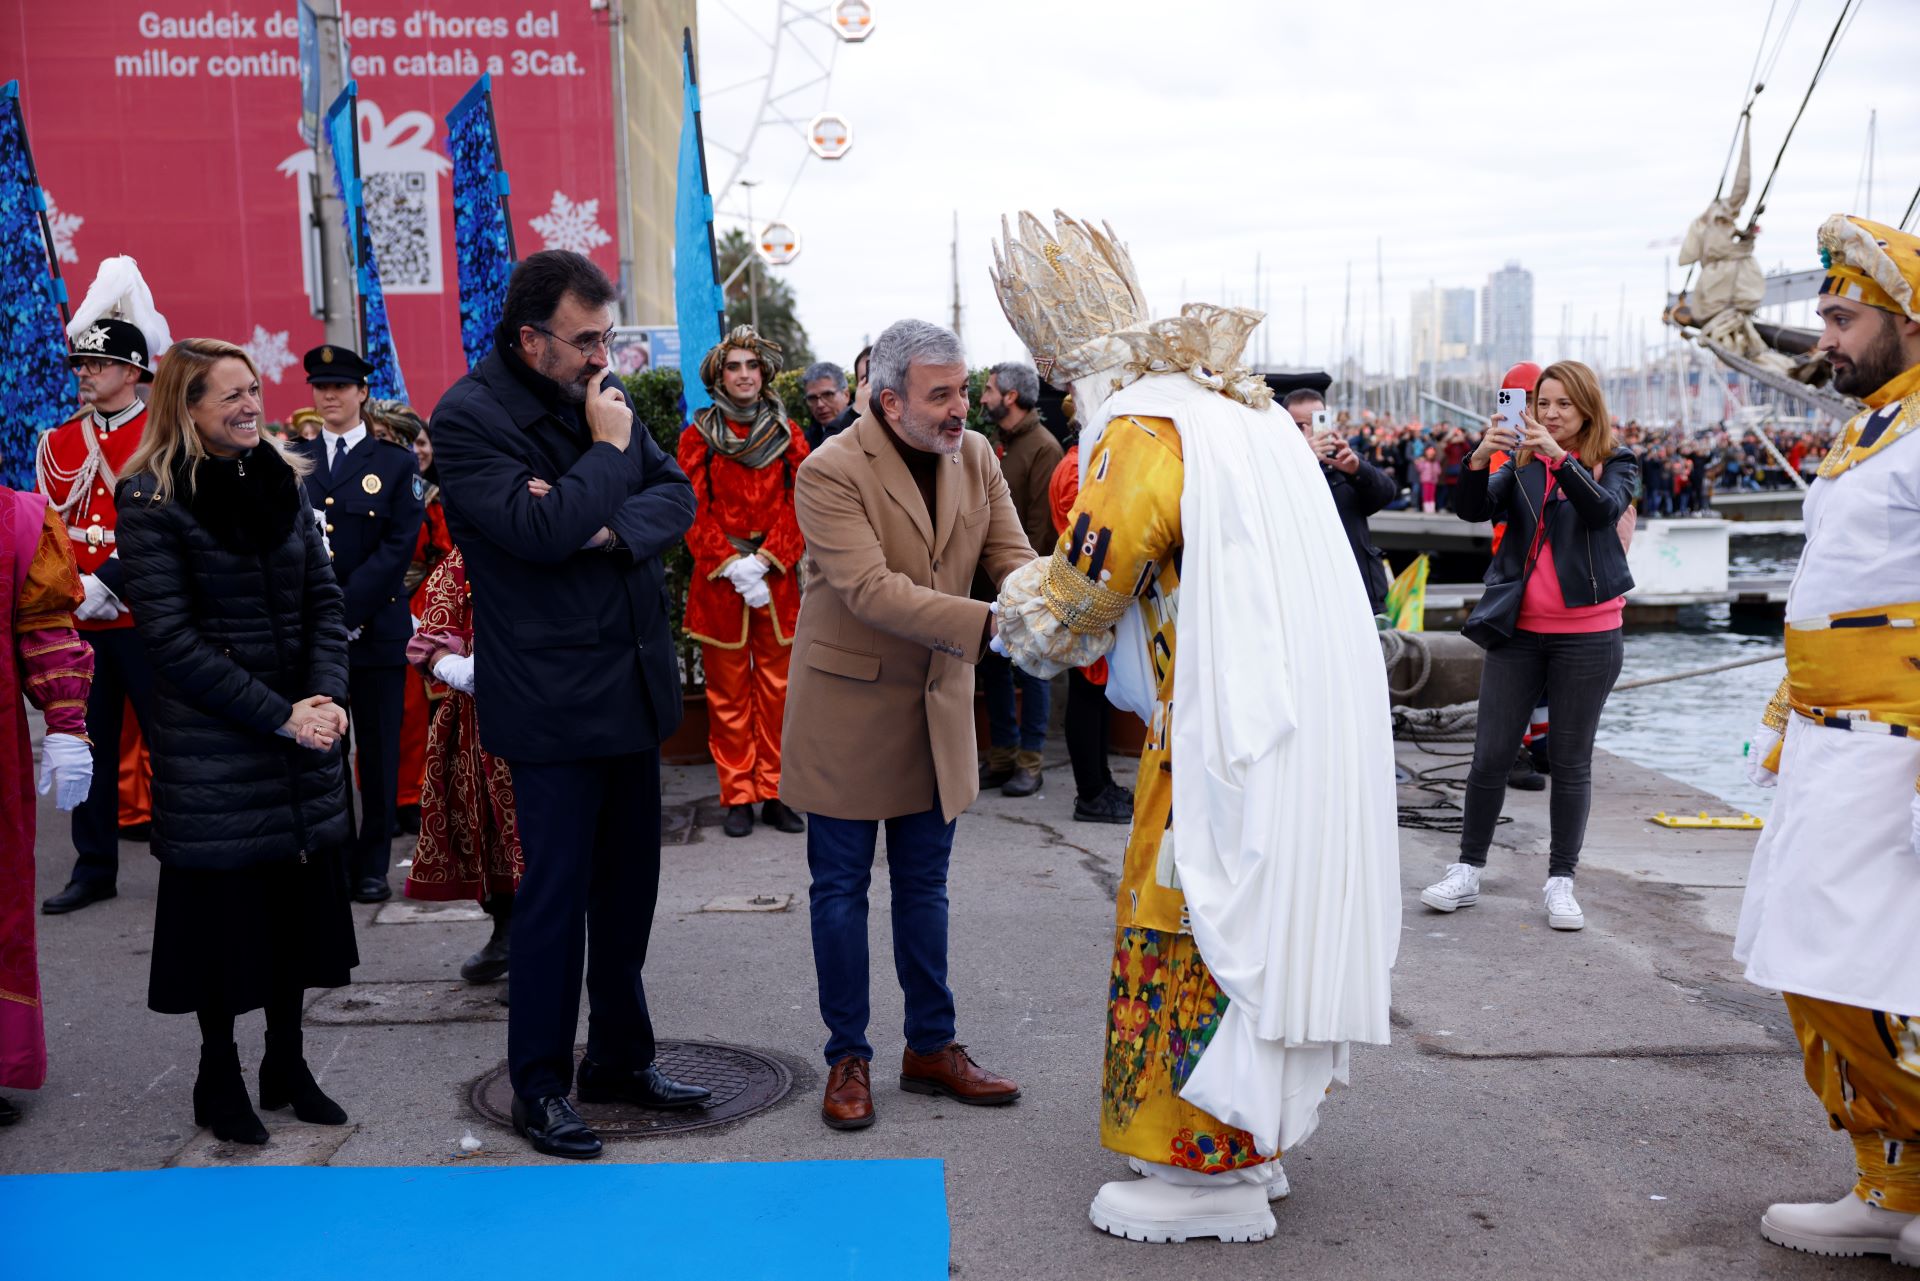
x=403 y=217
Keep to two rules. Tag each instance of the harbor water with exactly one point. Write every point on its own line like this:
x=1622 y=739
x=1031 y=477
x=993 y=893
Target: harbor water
x=1697 y=730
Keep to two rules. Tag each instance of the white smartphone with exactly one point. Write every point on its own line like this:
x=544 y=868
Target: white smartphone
x=1322 y=419
x=1512 y=400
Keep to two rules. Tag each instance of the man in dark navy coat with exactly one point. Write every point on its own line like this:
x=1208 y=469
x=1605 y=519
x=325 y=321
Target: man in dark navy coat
x=369 y=496
x=576 y=679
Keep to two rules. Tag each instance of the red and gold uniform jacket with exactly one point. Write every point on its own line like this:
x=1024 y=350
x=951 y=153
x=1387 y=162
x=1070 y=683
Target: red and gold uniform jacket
x=81 y=490
x=733 y=501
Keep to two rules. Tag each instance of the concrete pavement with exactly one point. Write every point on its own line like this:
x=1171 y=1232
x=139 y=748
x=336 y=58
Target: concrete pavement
x=1612 y=1103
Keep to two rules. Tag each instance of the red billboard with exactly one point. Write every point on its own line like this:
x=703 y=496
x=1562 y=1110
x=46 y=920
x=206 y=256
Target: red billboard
x=170 y=130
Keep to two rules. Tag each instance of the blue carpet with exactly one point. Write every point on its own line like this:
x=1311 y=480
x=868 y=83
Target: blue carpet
x=797 y=1221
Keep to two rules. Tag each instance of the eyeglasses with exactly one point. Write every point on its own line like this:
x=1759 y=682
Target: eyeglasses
x=585 y=347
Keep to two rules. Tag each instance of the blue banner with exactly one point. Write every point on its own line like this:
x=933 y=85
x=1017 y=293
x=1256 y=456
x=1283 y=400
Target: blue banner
x=482 y=232
x=37 y=390
x=376 y=335
x=699 y=304
x=309 y=74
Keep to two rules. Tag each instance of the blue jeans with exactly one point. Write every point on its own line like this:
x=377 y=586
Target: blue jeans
x=1029 y=731
x=840 y=858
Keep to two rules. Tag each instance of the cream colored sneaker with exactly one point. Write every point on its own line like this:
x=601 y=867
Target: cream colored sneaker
x=1563 y=909
x=1847 y=1227
x=1276 y=1185
x=1152 y=1209
x=1907 y=1252
x=1459 y=888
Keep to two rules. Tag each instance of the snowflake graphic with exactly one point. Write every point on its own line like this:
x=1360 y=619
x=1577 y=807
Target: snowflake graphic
x=63 y=225
x=269 y=352
x=571 y=226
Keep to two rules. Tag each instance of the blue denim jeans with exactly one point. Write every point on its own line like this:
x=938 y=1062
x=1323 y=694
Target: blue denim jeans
x=840 y=858
x=1029 y=731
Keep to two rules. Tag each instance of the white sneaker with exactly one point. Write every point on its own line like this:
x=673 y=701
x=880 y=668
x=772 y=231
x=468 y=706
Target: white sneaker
x=1460 y=887
x=1846 y=1227
x=1152 y=1209
x=1563 y=909
x=1276 y=1187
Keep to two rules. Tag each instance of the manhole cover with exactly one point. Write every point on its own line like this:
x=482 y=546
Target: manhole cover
x=743 y=1082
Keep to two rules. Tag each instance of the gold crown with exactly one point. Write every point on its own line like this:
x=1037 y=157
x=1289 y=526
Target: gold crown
x=1067 y=294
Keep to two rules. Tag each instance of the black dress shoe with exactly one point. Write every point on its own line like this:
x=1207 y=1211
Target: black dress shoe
x=372 y=889
x=739 y=820
x=1025 y=782
x=8 y=1113
x=76 y=896
x=647 y=1087
x=1523 y=776
x=781 y=819
x=554 y=1128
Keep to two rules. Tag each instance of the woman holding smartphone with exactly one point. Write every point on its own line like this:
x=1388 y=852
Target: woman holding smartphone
x=1564 y=573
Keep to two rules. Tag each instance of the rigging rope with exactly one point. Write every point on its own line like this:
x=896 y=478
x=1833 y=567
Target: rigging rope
x=1907 y=217
x=1848 y=11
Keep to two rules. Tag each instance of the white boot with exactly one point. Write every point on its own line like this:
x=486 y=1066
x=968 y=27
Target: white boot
x=1460 y=887
x=1907 y=1252
x=1274 y=1179
x=1151 y=1209
x=1563 y=909
x=1845 y=1227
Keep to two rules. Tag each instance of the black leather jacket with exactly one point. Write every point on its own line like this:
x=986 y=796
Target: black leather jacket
x=1587 y=556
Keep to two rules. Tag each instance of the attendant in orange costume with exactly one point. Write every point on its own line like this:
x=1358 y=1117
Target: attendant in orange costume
x=741 y=454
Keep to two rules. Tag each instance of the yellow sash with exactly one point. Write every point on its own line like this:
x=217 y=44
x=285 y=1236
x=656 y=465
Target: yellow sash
x=1857 y=671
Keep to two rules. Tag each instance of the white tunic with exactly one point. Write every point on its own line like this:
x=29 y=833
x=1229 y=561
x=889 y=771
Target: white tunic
x=1832 y=907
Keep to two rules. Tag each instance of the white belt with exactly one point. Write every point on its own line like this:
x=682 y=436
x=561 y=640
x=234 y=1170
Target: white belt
x=92 y=536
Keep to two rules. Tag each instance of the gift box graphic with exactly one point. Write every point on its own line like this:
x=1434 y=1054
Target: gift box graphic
x=401 y=172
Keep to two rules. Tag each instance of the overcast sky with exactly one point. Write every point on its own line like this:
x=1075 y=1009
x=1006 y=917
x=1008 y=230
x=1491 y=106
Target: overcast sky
x=1460 y=135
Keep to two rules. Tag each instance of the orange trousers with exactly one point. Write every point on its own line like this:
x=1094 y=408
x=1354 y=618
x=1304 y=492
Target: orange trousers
x=136 y=772
x=746 y=700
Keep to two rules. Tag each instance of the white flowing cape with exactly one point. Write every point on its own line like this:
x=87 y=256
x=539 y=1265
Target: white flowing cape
x=1285 y=835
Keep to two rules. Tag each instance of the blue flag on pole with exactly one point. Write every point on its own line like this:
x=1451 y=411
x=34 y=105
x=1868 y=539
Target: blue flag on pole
x=482 y=232
x=37 y=390
x=698 y=302
x=376 y=335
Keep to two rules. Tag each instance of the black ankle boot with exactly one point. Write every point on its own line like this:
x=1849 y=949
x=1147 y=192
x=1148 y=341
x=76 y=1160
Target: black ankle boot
x=220 y=1097
x=490 y=962
x=285 y=1078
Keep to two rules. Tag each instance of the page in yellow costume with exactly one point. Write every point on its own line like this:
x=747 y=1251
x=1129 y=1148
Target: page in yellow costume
x=1162 y=1005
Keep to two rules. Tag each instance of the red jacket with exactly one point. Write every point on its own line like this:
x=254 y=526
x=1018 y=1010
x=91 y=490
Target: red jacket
x=91 y=521
x=734 y=500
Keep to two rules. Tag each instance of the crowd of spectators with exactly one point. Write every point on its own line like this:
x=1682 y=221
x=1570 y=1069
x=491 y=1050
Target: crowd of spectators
x=1679 y=472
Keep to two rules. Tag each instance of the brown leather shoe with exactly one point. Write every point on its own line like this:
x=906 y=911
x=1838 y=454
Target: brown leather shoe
x=951 y=1071
x=849 y=1101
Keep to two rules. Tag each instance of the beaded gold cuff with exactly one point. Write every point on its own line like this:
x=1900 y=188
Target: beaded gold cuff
x=1080 y=603
x=1775 y=717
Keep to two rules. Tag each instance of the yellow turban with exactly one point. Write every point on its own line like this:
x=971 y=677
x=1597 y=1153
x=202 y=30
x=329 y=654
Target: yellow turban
x=1871 y=263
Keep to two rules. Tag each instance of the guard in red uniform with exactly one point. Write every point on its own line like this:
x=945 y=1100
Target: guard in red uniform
x=77 y=466
x=741 y=454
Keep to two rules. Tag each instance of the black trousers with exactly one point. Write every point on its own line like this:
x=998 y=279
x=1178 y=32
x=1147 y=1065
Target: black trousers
x=376 y=697
x=590 y=833
x=1576 y=672
x=1086 y=733
x=121 y=674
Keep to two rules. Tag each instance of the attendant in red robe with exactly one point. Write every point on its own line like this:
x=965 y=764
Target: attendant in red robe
x=741 y=454
x=52 y=667
x=469 y=844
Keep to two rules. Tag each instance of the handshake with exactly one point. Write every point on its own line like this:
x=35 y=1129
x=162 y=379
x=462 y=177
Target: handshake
x=748 y=575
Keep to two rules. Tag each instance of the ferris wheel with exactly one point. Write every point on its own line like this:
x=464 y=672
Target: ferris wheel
x=777 y=118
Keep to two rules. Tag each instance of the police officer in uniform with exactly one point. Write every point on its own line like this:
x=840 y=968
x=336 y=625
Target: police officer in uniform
x=370 y=498
x=76 y=467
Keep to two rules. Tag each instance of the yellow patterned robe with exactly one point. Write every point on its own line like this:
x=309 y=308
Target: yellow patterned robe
x=1162 y=1006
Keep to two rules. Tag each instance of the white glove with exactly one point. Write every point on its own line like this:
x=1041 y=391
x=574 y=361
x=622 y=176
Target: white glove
x=456 y=671
x=1758 y=750
x=745 y=572
x=354 y=635
x=758 y=595
x=66 y=764
x=101 y=605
